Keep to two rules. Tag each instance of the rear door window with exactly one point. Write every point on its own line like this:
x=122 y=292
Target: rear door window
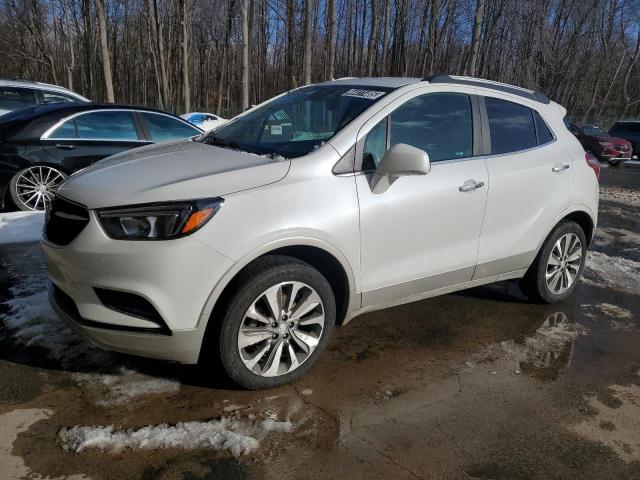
x=65 y=131
x=511 y=126
x=164 y=128
x=108 y=125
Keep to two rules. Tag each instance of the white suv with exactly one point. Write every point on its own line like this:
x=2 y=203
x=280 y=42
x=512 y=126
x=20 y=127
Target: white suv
x=244 y=247
x=16 y=94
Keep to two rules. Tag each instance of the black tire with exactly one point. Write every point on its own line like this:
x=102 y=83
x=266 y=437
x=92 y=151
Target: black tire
x=250 y=284
x=534 y=283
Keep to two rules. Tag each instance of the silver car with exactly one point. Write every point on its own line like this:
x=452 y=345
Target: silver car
x=242 y=248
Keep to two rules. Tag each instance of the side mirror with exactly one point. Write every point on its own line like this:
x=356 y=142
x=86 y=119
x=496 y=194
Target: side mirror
x=401 y=160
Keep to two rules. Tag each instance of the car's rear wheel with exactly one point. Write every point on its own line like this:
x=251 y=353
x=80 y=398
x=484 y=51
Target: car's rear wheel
x=32 y=188
x=276 y=324
x=557 y=268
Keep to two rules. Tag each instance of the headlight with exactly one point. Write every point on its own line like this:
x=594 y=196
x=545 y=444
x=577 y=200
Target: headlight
x=606 y=144
x=158 y=221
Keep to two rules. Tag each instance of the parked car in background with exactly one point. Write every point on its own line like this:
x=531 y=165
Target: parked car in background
x=205 y=121
x=40 y=146
x=629 y=130
x=16 y=94
x=245 y=248
x=600 y=144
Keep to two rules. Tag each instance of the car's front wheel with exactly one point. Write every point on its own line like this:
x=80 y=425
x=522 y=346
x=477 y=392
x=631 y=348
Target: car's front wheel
x=276 y=324
x=554 y=273
x=32 y=188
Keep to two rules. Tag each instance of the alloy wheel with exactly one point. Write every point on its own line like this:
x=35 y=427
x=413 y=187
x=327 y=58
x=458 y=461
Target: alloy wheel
x=564 y=263
x=281 y=329
x=36 y=186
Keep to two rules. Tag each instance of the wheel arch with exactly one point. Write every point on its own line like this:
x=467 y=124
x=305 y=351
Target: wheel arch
x=326 y=258
x=581 y=215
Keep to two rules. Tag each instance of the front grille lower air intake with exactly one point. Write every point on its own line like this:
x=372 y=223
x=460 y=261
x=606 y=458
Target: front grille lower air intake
x=65 y=221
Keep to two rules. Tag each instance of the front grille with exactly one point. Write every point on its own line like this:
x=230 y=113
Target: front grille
x=65 y=221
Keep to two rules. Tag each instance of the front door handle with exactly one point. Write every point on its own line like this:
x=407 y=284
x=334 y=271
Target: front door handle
x=65 y=146
x=470 y=186
x=560 y=167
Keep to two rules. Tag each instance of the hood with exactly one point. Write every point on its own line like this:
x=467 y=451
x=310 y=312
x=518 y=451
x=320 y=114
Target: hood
x=170 y=171
x=2 y=112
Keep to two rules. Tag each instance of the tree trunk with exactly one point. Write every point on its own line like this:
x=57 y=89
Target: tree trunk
x=373 y=39
x=331 y=49
x=385 y=37
x=186 y=88
x=475 y=38
x=104 y=47
x=245 y=54
x=308 y=12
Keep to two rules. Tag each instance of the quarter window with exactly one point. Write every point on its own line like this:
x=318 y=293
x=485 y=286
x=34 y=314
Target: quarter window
x=510 y=125
x=544 y=134
x=54 y=97
x=439 y=123
x=113 y=125
x=163 y=128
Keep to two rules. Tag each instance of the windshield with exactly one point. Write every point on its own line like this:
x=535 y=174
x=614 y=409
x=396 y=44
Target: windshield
x=592 y=131
x=296 y=123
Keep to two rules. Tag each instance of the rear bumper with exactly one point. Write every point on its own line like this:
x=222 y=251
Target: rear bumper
x=178 y=346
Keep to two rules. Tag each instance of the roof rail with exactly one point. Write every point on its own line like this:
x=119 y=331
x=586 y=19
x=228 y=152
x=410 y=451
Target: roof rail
x=479 y=82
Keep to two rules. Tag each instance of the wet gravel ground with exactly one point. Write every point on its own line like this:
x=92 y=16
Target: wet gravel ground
x=478 y=384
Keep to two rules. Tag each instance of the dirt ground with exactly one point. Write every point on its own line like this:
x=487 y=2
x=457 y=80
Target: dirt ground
x=478 y=384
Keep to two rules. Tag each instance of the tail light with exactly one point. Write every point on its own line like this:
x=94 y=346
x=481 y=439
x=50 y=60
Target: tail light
x=593 y=163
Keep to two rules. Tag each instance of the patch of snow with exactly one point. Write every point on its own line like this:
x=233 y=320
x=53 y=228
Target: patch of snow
x=307 y=391
x=128 y=386
x=21 y=227
x=239 y=437
x=32 y=322
x=610 y=271
x=625 y=196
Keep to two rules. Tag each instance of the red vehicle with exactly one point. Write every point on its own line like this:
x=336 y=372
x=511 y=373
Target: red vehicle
x=602 y=145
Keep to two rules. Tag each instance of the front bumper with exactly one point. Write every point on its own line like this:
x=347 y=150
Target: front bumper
x=176 y=277
x=181 y=346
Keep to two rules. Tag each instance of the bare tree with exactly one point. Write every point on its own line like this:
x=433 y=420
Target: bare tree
x=245 y=53
x=186 y=89
x=331 y=40
x=475 y=38
x=104 y=48
x=308 y=12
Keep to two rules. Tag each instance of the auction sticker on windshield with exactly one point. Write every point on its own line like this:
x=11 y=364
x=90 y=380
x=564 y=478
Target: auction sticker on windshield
x=357 y=92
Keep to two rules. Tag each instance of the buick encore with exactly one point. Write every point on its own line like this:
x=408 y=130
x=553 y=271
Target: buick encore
x=244 y=247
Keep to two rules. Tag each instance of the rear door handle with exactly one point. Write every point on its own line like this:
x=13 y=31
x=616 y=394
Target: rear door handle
x=470 y=186
x=559 y=167
x=65 y=146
